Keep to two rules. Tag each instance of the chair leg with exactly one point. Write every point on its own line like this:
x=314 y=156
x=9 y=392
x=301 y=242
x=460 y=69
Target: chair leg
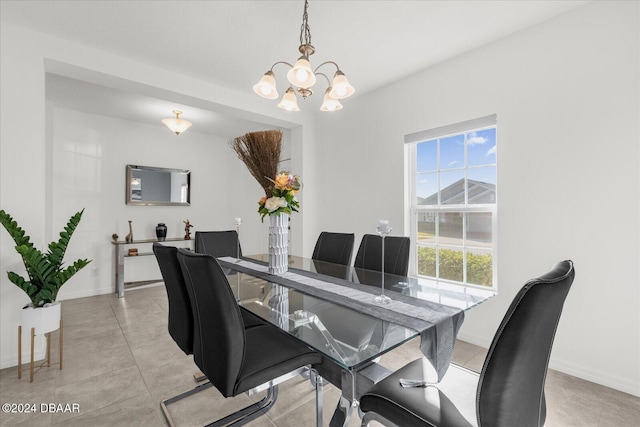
x=251 y=412
x=319 y=382
x=372 y=416
x=181 y=396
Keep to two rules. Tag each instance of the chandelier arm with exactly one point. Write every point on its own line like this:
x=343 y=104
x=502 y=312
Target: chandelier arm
x=326 y=62
x=325 y=76
x=280 y=62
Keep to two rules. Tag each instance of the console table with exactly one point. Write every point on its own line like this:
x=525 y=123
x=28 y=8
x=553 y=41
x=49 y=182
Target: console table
x=122 y=253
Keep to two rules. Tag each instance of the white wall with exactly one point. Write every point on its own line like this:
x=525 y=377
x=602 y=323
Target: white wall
x=566 y=94
x=54 y=162
x=88 y=162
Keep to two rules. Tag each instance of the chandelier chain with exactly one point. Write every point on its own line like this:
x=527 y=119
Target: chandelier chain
x=305 y=31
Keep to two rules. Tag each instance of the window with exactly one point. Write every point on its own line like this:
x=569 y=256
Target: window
x=452 y=189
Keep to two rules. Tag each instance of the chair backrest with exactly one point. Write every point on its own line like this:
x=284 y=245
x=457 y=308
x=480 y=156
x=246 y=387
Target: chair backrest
x=217 y=243
x=396 y=254
x=219 y=340
x=180 y=315
x=511 y=385
x=334 y=247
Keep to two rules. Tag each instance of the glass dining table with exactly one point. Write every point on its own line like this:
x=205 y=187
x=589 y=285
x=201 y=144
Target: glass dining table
x=326 y=306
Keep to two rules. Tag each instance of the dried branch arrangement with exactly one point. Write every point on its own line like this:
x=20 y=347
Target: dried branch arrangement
x=260 y=151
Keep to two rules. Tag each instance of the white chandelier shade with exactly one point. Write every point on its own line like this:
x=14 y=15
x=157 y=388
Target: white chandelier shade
x=341 y=88
x=329 y=103
x=301 y=75
x=266 y=87
x=289 y=101
x=176 y=124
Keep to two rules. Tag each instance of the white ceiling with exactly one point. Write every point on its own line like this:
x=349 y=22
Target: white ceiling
x=232 y=43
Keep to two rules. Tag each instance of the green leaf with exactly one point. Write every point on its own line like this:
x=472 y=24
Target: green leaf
x=46 y=273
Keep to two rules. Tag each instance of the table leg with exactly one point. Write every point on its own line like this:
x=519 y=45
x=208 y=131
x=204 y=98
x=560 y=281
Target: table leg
x=120 y=271
x=342 y=413
x=353 y=385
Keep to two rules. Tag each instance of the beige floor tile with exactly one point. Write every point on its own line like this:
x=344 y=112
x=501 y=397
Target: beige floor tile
x=99 y=392
x=25 y=419
x=170 y=379
x=572 y=401
x=291 y=394
x=157 y=354
x=205 y=407
x=80 y=365
x=464 y=352
x=142 y=337
x=476 y=362
x=86 y=344
x=100 y=327
x=144 y=321
x=90 y=314
x=136 y=411
x=120 y=362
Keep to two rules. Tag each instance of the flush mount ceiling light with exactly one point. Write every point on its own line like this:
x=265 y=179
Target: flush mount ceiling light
x=303 y=77
x=176 y=124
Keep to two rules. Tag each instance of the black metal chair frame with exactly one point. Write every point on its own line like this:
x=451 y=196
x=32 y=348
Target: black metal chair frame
x=253 y=411
x=509 y=389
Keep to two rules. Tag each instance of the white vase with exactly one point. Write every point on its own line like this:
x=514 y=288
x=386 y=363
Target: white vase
x=44 y=319
x=278 y=243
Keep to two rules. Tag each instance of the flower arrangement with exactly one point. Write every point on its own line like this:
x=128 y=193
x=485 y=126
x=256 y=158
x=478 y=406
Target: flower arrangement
x=283 y=191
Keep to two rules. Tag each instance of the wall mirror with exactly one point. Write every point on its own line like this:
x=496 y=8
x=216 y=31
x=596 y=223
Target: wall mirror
x=152 y=186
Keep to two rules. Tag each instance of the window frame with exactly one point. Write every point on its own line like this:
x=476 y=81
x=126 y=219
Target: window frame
x=414 y=210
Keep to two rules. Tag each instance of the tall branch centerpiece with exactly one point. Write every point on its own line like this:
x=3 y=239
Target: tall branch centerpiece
x=260 y=152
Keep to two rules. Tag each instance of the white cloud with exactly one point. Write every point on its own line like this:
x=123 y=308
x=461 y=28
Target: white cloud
x=491 y=151
x=453 y=162
x=474 y=139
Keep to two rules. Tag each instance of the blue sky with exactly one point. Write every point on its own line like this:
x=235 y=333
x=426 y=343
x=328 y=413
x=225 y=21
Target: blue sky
x=481 y=157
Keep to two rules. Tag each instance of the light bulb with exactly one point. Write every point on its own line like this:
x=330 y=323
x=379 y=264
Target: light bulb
x=329 y=103
x=266 y=87
x=302 y=75
x=341 y=87
x=289 y=102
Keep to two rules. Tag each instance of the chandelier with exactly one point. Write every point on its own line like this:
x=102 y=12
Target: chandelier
x=303 y=77
x=176 y=124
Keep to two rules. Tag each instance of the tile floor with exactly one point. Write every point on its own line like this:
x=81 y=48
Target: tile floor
x=120 y=362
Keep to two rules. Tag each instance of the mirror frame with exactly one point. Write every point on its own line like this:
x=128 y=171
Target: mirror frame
x=130 y=201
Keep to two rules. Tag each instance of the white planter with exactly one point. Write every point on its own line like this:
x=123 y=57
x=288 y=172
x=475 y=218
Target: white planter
x=278 y=243
x=43 y=319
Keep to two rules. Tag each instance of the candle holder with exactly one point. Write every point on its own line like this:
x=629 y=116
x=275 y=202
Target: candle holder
x=237 y=223
x=383 y=230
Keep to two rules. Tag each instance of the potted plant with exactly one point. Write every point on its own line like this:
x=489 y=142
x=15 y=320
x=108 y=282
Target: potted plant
x=46 y=273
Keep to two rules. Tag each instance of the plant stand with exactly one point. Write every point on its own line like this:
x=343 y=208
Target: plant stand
x=47 y=362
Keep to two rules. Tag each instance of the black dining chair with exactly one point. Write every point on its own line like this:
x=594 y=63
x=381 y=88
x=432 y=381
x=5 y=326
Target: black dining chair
x=218 y=243
x=396 y=254
x=180 y=323
x=334 y=247
x=234 y=358
x=508 y=392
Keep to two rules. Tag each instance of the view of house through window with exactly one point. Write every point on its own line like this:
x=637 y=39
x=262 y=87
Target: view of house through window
x=453 y=209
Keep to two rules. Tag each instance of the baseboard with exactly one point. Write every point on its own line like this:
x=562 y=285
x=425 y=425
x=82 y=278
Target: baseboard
x=84 y=293
x=474 y=339
x=621 y=384
x=39 y=354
